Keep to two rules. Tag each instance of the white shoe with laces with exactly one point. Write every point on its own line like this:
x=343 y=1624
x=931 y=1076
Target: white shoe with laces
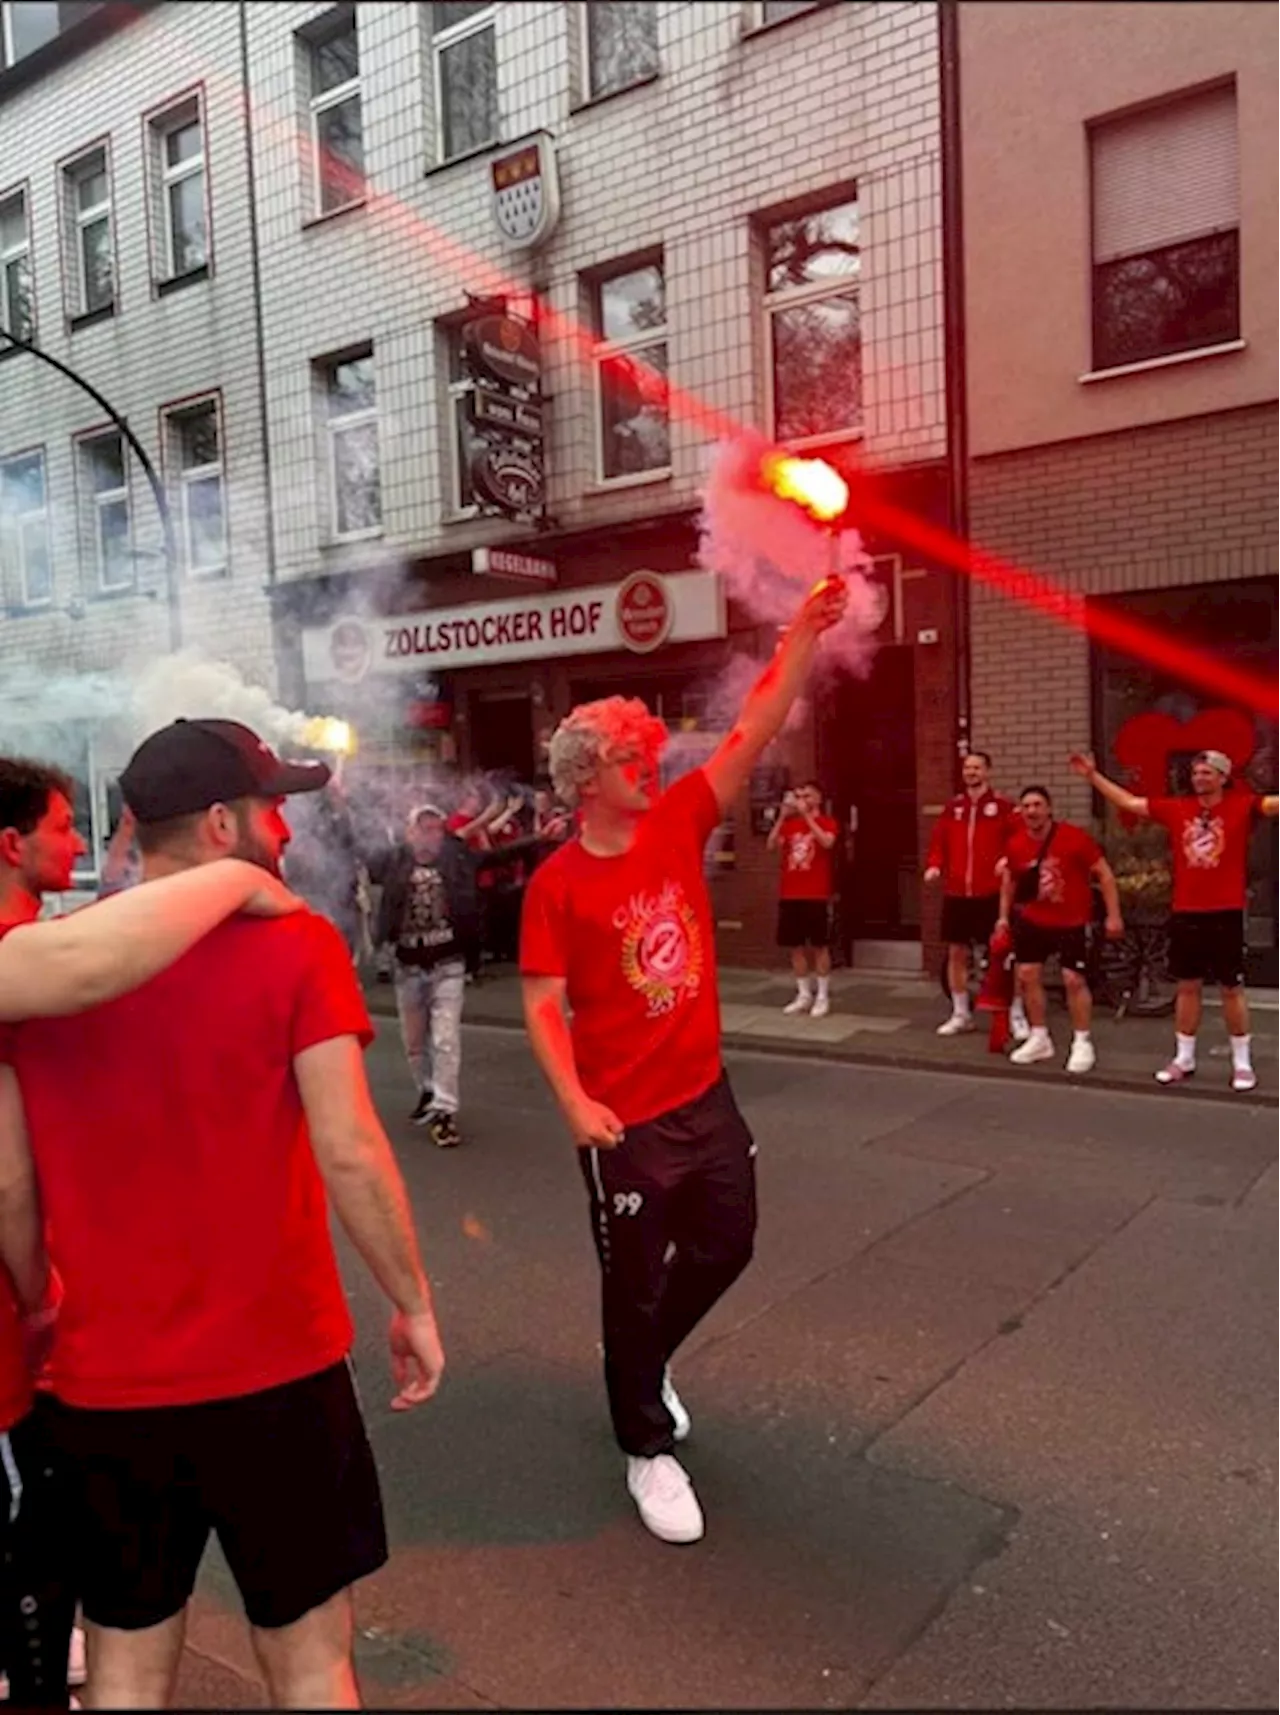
x=664 y=1496
x=681 y=1421
x=1035 y=1048
x=801 y=1003
x=821 y=1006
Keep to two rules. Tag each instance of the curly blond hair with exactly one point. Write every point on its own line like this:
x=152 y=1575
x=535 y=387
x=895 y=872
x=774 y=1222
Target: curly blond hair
x=596 y=733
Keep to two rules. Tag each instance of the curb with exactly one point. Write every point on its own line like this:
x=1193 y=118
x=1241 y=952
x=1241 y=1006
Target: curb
x=1192 y=1091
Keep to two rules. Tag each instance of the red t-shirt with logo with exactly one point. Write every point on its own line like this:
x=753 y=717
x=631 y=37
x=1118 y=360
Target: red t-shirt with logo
x=634 y=939
x=1065 y=896
x=1209 y=848
x=186 y=1214
x=807 y=868
x=15 y=1379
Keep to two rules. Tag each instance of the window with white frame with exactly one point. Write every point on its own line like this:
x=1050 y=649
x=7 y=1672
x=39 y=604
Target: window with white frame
x=26 y=25
x=17 y=305
x=337 y=128
x=104 y=475
x=178 y=155
x=351 y=429
x=633 y=434
x=24 y=529
x=193 y=451
x=813 y=323
x=461 y=492
x=622 y=44
x=1166 y=229
x=465 y=52
x=774 y=11
x=86 y=187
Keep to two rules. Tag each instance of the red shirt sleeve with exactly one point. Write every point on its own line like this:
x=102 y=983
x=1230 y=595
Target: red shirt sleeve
x=691 y=804
x=1089 y=849
x=543 y=949
x=935 y=857
x=1165 y=811
x=329 y=1002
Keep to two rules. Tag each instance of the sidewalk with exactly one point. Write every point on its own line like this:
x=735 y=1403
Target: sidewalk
x=891 y=1021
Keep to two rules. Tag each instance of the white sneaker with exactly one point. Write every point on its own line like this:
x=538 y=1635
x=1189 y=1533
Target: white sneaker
x=1019 y=1029
x=1033 y=1049
x=801 y=1003
x=956 y=1025
x=1082 y=1057
x=661 y=1489
x=681 y=1421
x=821 y=1006
x=76 y=1669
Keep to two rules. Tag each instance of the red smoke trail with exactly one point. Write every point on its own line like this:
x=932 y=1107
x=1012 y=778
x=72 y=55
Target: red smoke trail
x=868 y=510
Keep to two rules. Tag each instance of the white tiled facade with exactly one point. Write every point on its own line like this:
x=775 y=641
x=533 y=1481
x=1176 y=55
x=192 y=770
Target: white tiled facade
x=738 y=123
x=747 y=116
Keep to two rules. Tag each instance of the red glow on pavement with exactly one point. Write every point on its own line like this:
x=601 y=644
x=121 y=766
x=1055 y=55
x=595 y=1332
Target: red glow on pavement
x=867 y=510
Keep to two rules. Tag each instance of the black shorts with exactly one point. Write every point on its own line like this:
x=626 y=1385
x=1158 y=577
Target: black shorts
x=285 y=1477
x=965 y=921
x=1207 y=946
x=804 y=923
x=1034 y=944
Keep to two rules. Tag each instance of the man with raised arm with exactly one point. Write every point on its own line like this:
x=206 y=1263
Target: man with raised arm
x=1209 y=847
x=618 y=927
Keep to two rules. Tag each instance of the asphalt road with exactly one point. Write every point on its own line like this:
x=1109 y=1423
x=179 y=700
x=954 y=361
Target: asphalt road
x=989 y=1422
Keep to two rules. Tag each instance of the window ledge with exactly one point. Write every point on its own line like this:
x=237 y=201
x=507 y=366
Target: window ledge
x=334 y=213
x=352 y=538
x=121 y=594
x=771 y=24
x=7 y=350
x=1169 y=362
x=459 y=160
x=24 y=609
x=617 y=484
x=176 y=282
x=613 y=94
x=88 y=317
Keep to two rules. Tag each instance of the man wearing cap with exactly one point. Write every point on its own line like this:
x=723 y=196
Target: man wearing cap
x=184 y=1138
x=1209 y=845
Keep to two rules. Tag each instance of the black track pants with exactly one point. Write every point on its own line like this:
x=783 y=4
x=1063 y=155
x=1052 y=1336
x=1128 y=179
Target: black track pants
x=37 y=1597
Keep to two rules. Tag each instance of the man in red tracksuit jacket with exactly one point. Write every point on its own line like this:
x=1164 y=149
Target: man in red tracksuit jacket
x=968 y=843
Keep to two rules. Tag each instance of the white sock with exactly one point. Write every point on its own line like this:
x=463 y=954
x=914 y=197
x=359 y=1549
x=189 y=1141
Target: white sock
x=1017 y=1010
x=1083 y=1036
x=1039 y=1033
x=823 y=995
x=1240 y=1061
x=1186 y=1051
x=960 y=1003
x=804 y=985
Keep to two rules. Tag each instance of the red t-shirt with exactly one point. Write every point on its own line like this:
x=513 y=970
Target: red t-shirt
x=1210 y=849
x=186 y=1212
x=15 y=1379
x=807 y=869
x=633 y=937
x=1065 y=897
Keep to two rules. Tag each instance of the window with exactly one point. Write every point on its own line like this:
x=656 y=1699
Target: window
x=178 y=153
x=464 y=44
x=87 y=194
x=1166 y=239
x=622 y=44
x=337 y=135
x=24 y=529
x=351 y=423
x=633 y=430
x=813 y=323
x=105 y=475
x=774 y=11
x=26 y=25
x=17 y=310
x=462 y=497
x=193 y=448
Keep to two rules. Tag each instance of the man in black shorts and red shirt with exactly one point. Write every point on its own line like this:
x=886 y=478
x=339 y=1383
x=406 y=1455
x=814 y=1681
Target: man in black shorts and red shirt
x=965 y=850
x=805 y=886
x=618 y=926
x=1209 y=848
x=55 y=968
x=1046 y=893
x=200 y=1378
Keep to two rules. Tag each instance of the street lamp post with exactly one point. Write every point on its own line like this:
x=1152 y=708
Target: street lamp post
x=149 y=470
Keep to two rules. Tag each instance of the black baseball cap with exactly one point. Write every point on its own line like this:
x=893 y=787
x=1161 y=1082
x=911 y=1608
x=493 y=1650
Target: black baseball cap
x=190 y=765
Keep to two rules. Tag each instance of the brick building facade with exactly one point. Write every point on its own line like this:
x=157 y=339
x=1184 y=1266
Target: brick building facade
x=1120 y=323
